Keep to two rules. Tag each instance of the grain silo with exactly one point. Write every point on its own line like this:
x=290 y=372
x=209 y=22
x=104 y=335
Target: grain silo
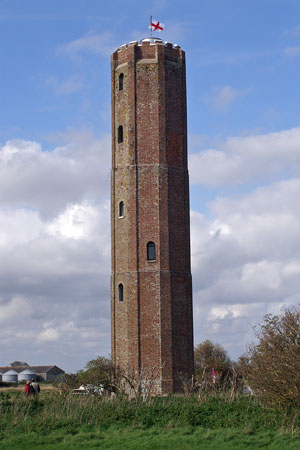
x=27 y=375
x=10 y=377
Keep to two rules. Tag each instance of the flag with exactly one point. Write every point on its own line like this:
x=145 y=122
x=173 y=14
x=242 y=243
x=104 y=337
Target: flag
x=213 y=375
x=156 y=26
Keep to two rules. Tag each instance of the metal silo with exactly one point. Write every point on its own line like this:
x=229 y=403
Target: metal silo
x=26 y=375
x=10 y=377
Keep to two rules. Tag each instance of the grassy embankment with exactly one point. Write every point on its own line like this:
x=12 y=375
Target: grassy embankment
x=72 y=422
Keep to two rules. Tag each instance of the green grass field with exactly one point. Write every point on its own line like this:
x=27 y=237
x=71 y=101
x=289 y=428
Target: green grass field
x=70 y=422
x=155 y=438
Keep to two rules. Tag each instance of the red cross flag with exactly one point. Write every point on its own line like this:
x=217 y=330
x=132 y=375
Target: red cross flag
x=156 y=26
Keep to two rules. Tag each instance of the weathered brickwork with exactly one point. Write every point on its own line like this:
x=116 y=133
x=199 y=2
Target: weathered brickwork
x=152 y=327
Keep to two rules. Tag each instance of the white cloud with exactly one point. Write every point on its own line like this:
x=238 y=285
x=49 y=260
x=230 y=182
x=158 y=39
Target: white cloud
x=292 y=52
x=221 y=99
x=62 y=265
x=157 y=6
x=235 y=311
x=77 y=222
x=209 y=57
x=75 y=242
x=48 y=180
x=264 y=274
x=248 y=159
x=69 y=86
x=16 y=308
x=293 y=31
x=174 y=31
x=48 y=335
x=56 y=245
x=245 y=262
x=11 y=233
x=92 y=42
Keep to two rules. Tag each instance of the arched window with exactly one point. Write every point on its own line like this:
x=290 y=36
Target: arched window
x=121 y=209
x=120 y=292
x=121 y=81
x=120 y=134
x=151 y=254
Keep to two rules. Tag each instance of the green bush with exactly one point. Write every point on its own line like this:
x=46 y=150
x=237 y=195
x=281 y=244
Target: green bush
x=272 y=366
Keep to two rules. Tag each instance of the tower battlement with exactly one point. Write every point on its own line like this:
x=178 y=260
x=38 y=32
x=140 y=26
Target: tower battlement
x=148 y=48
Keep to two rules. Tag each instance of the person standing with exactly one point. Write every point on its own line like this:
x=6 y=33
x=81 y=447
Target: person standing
x=28 y=389
x=35 y=387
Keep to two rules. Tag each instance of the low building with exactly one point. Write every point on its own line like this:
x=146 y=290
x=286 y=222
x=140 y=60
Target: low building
x=43 y=373
x=10 y=376
x=47 y=373
x=27 y=375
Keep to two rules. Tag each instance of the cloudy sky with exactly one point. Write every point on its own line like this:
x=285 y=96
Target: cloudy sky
x=243 y=61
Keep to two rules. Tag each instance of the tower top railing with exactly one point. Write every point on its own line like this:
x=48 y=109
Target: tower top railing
x=147 y=48
x=150 y=40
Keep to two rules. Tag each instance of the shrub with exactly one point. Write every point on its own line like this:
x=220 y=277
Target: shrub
x=209 y=357
x=272 y=366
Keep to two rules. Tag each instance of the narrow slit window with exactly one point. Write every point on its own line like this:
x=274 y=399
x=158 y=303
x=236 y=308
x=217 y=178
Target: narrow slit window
x=121 y=292
x=151 y=253
x=121 y=209
x=120 y=134
x=121 y=81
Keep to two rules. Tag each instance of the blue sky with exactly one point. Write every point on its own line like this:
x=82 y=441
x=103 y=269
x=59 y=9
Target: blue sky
x=238 y=44
x=244 y=143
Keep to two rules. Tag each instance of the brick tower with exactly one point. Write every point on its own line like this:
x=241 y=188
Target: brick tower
x=151 y=294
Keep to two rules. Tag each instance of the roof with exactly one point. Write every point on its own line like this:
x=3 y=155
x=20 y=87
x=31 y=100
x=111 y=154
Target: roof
x=27 y=372
x=11 y=372
x=36 y=369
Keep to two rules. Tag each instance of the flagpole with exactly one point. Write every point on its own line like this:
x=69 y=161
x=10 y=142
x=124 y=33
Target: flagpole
x=151 y=25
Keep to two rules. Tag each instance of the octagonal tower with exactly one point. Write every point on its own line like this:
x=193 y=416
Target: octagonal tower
x=151 y=283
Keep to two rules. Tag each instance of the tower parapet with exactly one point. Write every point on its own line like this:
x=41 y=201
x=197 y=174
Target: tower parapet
x=146 y=49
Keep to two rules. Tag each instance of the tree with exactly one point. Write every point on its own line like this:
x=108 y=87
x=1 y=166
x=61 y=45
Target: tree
x=209 y=356
x=273 y=368
x=99 y=371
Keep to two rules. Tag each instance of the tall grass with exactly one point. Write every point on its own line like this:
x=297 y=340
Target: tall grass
x=51 y=411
